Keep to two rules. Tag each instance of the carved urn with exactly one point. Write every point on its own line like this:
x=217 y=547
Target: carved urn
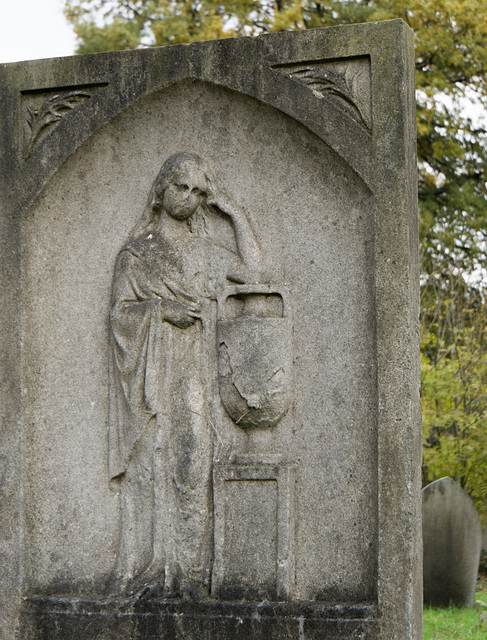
x=254 y=333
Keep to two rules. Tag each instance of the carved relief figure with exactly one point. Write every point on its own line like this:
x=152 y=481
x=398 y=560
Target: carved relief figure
x=166 y=279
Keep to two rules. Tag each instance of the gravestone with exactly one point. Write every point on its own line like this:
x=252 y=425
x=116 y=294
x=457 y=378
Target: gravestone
x=209 y=341
x=452 y=539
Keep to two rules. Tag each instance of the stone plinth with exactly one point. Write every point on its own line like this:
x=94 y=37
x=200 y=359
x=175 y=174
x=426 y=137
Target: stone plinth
x=48 y=619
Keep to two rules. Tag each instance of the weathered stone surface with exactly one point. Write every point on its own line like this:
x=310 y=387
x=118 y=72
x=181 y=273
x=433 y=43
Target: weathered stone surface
x=252 y=351
x=451 y=545
x=47 y=619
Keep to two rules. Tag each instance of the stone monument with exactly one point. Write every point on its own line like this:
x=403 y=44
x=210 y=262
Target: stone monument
x=452 y=539
x=209 y=345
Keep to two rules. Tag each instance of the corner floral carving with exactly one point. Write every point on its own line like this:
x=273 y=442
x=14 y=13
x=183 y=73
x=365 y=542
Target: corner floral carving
x=323 y=81
x=50 y=113
x=339 y=79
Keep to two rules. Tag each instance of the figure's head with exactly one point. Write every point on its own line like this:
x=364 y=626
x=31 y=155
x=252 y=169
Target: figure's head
x=180 y=187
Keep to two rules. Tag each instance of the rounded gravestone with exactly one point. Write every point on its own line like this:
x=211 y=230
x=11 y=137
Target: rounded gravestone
x=452 y=537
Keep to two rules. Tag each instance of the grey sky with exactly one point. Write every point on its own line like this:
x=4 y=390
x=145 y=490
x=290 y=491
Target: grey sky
x=31 y=29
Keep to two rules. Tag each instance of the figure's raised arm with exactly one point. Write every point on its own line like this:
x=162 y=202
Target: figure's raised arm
x=247 y=244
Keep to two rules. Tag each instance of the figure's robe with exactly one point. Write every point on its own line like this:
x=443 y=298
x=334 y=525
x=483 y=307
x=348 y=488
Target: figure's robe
x=160 y=442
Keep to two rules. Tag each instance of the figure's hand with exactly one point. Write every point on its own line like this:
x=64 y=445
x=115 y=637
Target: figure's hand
x=180 y=315
x=216 y=198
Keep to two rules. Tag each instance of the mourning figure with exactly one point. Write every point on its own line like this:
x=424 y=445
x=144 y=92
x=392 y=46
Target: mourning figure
x=166 y=280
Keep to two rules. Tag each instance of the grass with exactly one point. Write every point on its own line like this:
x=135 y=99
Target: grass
x=458 y=624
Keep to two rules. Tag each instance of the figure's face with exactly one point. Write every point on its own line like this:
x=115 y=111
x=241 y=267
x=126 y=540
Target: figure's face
x=185 y=192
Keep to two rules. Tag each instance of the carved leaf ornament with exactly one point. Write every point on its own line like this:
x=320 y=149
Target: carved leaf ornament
x=51 y=112
x=322 y=81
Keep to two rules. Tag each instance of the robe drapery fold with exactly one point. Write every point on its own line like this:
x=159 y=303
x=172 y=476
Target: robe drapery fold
x=159 y=430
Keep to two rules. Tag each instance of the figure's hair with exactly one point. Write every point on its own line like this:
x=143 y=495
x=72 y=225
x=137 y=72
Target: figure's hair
x=168 y=171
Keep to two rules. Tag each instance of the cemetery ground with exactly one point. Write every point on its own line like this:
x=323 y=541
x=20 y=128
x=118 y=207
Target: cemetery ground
x=458 y=624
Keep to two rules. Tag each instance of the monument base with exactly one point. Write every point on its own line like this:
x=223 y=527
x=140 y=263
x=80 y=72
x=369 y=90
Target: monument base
x=124 y=619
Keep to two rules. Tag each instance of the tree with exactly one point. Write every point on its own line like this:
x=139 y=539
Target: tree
x=451 y=65
x=454 y=386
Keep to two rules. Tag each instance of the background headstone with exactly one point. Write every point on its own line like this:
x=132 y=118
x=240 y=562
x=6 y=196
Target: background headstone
x=451 y=545
x=311 y=474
